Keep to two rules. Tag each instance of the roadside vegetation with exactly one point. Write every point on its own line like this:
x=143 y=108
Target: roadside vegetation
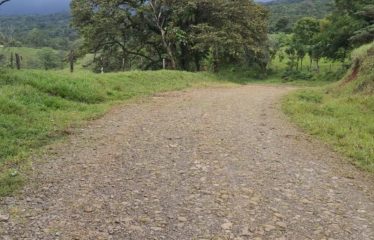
x=342 y=114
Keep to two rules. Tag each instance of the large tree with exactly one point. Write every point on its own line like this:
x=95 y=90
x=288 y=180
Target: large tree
x=350 y=25
x=304 y=38
x=181 y=31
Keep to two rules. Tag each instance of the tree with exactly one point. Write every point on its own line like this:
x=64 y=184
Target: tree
x=50 y=59
x=143 y=33
x=334 y=40
x=232 y=31
x=36 y=38
x=366 y=34
x=282 y=25
x=350 y=25
x=116 y=30
x=304 y=37
x=161 y=11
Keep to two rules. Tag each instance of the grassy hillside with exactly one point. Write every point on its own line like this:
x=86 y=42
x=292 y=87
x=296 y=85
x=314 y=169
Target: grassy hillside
x=37 y=107
x=293 y=10
x=342 y=114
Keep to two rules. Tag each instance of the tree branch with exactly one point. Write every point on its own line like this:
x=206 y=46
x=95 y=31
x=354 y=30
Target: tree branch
x=3 y=1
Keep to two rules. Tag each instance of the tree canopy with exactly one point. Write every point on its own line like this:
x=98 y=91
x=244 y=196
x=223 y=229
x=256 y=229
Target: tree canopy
x=189 y=34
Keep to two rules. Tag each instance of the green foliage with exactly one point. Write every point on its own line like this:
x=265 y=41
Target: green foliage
x=330 y=38
x=342 y=114
x=37 y=31
x=140 y=34
x=349 y=26
x=36 y=107
x=50 y=59
x=285 y=13
x=292 y=75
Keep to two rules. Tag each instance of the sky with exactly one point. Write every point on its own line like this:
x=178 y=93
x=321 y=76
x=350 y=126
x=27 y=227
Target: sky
x=19 y=7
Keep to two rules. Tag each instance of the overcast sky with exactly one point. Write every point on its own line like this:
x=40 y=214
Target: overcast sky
x=40 y=6
x=34 y=7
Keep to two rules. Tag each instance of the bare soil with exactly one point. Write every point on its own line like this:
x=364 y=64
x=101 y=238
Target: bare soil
x=216 y=163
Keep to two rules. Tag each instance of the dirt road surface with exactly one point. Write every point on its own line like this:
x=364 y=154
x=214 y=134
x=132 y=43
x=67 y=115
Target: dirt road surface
x=216 y=163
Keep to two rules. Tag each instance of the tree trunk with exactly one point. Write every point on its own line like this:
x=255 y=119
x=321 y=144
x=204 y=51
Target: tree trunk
x=215 y=61
x=184 y=59
x=197 y=62
x=71 y=60
x=168 y=49
x=297 y=64
x=11 y=60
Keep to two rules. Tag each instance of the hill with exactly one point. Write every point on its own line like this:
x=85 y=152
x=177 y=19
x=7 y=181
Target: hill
x=360 y=78
x=52 y=30
x=292 y=10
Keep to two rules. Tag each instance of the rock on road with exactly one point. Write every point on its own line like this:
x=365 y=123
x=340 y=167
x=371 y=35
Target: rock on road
x=215 y=163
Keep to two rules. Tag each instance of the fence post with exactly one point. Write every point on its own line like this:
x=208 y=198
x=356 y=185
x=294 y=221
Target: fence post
x=18 y=61
x=71 y=59
x=12 y=60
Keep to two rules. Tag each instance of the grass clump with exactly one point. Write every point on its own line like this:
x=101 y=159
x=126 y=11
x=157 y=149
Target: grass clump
x=342 y=114
x=36 y=107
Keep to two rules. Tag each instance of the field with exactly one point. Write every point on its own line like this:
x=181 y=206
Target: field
x=37 y=107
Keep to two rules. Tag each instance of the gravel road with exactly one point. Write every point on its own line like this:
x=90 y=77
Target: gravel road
x=215 y=163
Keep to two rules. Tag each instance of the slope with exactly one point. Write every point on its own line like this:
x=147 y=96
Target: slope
x=343 y=113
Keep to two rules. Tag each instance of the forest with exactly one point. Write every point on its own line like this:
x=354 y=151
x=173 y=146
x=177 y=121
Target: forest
x=284 y=13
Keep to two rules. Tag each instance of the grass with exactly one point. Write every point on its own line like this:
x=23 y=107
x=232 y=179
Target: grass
x=36 y=107
x=244 y=76
x=30 y=56
x=341 y=114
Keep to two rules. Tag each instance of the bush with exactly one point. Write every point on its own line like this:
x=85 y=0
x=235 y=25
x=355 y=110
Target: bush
x=50 y=59
x=291 y=75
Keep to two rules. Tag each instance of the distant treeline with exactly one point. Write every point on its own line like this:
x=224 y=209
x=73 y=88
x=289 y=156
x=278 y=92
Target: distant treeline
x=37 y=31
x=285 y=13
